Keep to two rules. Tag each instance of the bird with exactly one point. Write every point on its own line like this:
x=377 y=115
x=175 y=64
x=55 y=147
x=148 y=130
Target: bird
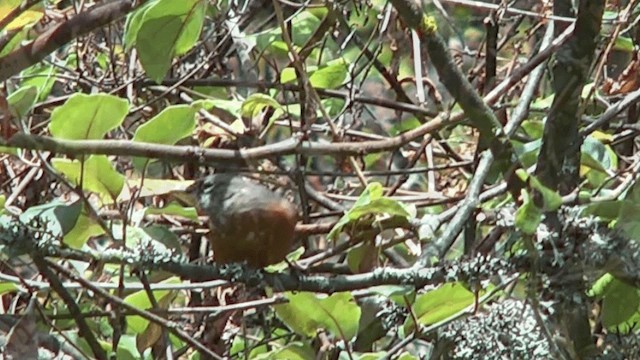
x=248 y=222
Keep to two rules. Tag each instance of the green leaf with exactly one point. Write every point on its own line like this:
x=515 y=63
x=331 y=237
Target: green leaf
x=22 y=100
x=293 y=256
x=370 y=356
x=528 y=217
x=173 y=124
x=82 y=231
x=152 y=187
x=407 y=356
x=88 y=116
x=397 y=293
x=158 y=237
x=623 y=43
x=8 y=287
x=361 y=258
x=629 y=217
x=597 y=161
x=60 y=217
x=42 y=77
x=439 y=304
x=370 y=202
x=254 y=104
x=140 y=300
x=552 y=200
x=99 y=176
x=289 y=74
x=533 y=128
x=233 y=107
x=133 y=24
x=127 y=349
x=306 y=313
x=305 y=24
x=174 y=209
x=621 y=302
x=168 y=28
x=71 y=222
x=15 y=41
x=292 y=351
x=600 y=286
x=597 y=156
x=162 y=235
x=606 y=210
x=404 y=125
x=331 y=76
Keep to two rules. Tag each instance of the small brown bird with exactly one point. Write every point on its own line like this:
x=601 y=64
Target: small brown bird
x=248 y=221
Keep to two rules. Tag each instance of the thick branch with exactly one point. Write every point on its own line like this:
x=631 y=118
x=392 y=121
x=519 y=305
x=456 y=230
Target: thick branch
x=61 y=34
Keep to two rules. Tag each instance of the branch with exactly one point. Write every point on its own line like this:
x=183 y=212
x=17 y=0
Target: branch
x=84 y=329
x=81 y=24
x=201 y=155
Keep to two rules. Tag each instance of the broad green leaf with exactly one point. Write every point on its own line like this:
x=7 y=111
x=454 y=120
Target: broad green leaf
x=629 y=217
x=407 y=356
x=392 y=290
x=607 y=210
x=331 y=76
x=289 y=74
x=7 y=287
x=528 y=217
x=597 y=156
x=168 y=28
x=174 y=209
x=305 y=24
x=397 y=293
x=22 y=100
x=293 y=256
x=232 y=107
x=307 y=312
x=404 y=125
x=82 y=231
x=623 y=43
x=533 y=128
x=29 y=16
x=332 y=106
x=157 y=237
x=133 y=24
x=161 y=234
x=99 y=176
x=366 y=356
x=40 y=76
x=370 y=202
x=88 y=116
x=140 y=300
x=600 y=286
x=552 y=200
x=15 y=41
x=127 y=349
x=255 y=103
x=621 y=302
x=292 y=351
x=60 y=217
x=362 y=257
x=68 y=221
x=171 y=125
x=597 y=161
x=439 y=304
x=151 y=187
